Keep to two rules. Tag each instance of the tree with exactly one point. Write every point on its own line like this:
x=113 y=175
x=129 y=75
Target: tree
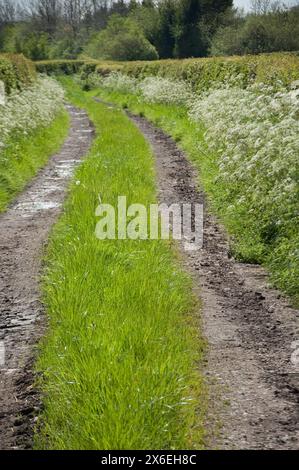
x=187 y=32
x=146 y=15
x=121 y=40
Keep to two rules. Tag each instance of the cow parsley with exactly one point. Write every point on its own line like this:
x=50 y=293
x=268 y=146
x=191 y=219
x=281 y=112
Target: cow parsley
x=36 y=106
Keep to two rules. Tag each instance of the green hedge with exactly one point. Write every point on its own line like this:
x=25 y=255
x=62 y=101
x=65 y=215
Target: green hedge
x=16 y=71
x=201 y=73
x=64 y=67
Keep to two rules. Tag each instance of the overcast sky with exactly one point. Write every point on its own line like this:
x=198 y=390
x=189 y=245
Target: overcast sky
x=246 y=3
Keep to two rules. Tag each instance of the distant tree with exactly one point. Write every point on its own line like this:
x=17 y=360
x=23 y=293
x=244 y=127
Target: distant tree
x=121 y=40
x=119 y=7
x=275 y=30
x=146 y=15
x=167 y=26
x=187 y=32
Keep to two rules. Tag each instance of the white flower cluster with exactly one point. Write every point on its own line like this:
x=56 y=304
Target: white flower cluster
x=33 y=107
x=120 y=82
x=152 y=89
x=163 y=90
x=255 y=132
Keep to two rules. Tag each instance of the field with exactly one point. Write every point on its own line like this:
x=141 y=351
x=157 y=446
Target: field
x=137 y=342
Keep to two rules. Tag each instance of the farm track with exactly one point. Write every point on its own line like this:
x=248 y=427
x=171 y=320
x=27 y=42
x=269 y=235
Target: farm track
x=24 y=230
x=250 y=327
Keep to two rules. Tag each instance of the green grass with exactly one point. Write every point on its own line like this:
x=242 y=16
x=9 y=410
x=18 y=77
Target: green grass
x=23 y=156
x=120 y=361
x=248 y=242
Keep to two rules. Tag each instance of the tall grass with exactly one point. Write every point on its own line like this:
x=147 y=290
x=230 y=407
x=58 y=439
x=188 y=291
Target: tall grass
x=249 y=242
x=119 y=363
x=23 y=156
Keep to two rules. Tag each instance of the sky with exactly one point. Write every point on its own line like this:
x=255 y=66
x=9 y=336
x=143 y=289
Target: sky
x=246 y=3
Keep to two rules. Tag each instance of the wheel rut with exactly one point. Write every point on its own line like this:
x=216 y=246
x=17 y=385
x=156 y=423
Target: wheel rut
x=24 y=230
x=251 y=329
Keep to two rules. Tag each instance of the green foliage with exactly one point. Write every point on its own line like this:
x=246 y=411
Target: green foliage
x=16 y=72
x=119 y=362
x=188 y=41
x=273 y=31
x=123 y=39
x=166 y=34
x=23 y=39
x=64 y=67
x=201 y=74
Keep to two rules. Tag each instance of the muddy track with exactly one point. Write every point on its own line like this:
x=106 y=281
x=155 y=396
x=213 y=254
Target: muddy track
x=250 y=328
x=24 y=230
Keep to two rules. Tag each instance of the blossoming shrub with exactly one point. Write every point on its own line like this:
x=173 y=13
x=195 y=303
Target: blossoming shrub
x=163 y=90
x=249 y=163
x=254 y=135
x=119 y=82
x=35 y=106
x=33 y=125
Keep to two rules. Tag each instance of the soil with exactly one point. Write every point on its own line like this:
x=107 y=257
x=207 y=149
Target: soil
x=250 y=327
x=24 y=230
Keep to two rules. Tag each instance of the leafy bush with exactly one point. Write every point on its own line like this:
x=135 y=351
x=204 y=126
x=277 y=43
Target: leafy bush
x=123 y=39
x=16 y=72
x=65 y=67
x=201 y=74
x=276 y=30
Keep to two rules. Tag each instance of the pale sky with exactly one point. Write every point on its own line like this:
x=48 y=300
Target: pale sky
x=246 y=3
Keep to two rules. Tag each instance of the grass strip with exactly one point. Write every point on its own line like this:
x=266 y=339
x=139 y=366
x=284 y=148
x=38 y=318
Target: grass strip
x=120 y=361
x=243 y=226
x=23 y=156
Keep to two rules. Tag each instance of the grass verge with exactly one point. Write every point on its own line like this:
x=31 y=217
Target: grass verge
x=248 y=242
x=23 y=156
x=120 y=361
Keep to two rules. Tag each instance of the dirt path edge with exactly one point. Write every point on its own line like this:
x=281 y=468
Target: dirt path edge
x=250 y=327
x=24 y=230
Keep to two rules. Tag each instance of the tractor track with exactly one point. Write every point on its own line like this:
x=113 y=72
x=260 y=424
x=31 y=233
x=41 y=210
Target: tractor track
x=24 y=231
x=250 y=328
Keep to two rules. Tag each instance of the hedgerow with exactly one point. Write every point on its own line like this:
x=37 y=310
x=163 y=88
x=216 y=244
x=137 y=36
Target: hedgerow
x=16 y=72
x=64 y=67
x=201 y=74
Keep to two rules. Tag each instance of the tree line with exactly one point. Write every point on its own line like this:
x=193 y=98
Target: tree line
x=145 y=29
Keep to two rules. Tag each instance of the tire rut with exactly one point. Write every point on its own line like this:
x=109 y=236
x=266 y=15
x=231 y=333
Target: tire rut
x=24 y=230
x=249 y=326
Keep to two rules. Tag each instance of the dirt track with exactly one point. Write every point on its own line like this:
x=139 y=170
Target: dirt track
x=250 y=327
x=24 y=230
